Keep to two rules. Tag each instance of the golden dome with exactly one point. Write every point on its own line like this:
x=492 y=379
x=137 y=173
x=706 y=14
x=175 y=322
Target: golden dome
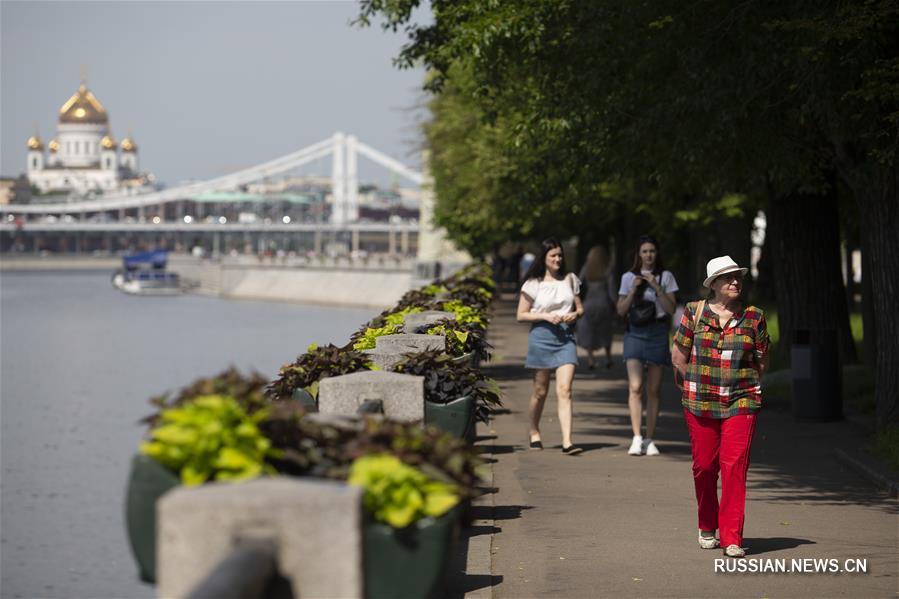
x=83 y=107
x=35 y=143
x=128 y=145
x=53 y=146
x=107 y=143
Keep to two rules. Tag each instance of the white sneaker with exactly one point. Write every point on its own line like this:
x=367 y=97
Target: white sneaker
x=649 y=448
x=636 y=446
x=734 y=551
x=709 y=542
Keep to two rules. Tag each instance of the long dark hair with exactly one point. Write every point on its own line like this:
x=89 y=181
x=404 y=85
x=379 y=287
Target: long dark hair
x=537 y=270
x=659 y=267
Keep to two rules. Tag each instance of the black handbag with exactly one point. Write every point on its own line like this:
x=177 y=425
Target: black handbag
x=642 y=311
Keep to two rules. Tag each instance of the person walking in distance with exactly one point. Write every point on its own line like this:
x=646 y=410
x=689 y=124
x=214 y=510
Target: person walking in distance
x=594 y=330
x=720 y=349
x=646 y=298
x=549 y=301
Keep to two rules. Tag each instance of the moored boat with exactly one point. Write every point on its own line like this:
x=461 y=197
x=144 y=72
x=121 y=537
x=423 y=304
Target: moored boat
x=145 y=274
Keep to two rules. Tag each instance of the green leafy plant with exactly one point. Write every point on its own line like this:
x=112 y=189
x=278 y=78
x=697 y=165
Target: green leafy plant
x=446 y=381
x=434 y=289
x=317 y=363
x=461 y=338
x=464 y=313
x=247 y=390
x=210 y=437
x=367 y=339
x=389 y=322
x=398 y=494
x=311 y=448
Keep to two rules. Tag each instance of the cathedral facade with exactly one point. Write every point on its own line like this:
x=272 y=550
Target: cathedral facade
x=84 y=158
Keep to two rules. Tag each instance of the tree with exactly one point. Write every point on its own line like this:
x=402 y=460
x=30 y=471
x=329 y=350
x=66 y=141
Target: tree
x=697 y=101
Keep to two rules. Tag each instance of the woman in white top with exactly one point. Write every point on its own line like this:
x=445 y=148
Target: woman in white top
x=646 y=297
x=549 y=301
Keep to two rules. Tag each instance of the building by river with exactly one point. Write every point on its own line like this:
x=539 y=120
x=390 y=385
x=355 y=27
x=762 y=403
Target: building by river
x=84 y=158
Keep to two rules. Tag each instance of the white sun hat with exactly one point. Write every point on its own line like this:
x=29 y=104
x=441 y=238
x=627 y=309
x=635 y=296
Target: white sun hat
x=720 y=266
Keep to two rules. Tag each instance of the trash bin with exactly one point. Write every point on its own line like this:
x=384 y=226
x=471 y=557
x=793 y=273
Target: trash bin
x=817 y=375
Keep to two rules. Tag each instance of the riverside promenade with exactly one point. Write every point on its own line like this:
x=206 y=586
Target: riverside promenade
x=606 y=524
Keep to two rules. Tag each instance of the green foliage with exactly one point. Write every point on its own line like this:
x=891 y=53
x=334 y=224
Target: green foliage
x=446 y=381
x=309 y=448
x=398 y=494
x=434 y=289
x=317 y=363
x=210 y=437
x=389 y=322
x=461 y=338
x=368 y=336
x=465 y=314
x=247 y=390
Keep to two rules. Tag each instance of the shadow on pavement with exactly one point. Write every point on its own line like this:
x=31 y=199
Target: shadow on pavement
x=757 y=546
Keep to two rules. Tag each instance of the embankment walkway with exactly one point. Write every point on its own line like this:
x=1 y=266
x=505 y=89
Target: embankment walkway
x=606 y=524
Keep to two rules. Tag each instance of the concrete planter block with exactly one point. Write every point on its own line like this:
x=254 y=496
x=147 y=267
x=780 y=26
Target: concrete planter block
x=413 y=321
x=410 y=343
x=315 y=525
x=384 y=360
x=403 y=395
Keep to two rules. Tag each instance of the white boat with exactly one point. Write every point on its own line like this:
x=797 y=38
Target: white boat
x=145 y=274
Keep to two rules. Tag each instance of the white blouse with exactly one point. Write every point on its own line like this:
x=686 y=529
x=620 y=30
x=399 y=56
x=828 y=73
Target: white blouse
x=555 y=297
x=667 y=282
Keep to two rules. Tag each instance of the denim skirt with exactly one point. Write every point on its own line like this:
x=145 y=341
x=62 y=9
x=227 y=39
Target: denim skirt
x=550 y=345
x=648 y=343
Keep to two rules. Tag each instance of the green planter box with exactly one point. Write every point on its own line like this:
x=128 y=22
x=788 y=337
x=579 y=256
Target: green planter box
x=410 y=563
x=148 y=481
x=304 y=397
x=455 y=417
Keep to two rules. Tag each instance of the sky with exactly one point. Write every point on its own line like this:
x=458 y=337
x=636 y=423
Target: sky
x=207 y=88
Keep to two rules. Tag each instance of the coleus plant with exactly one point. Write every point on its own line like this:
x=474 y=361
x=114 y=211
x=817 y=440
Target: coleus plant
x=317 y=363
x=461 y=338
x=306 y=447
x=389 y=322
x=210 y=437
x=446 y=380
x=247 y=390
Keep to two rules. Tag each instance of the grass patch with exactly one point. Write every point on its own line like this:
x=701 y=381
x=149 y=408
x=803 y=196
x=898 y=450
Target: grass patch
x=886 y=446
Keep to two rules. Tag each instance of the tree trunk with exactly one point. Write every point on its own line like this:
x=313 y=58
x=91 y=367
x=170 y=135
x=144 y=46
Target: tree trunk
x=805 y=240
x=876 y=190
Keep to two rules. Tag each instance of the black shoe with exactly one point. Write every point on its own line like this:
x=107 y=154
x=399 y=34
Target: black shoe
x=536 y=444
x=572 y=450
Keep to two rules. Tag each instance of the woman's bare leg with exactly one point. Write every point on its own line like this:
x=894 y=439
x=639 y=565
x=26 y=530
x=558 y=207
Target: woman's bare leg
x=635 y=394
x=653 y=388
x=564 y=378
x=537 y=401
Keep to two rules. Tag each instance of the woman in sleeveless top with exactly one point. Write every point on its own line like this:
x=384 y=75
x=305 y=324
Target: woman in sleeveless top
x=594 y=330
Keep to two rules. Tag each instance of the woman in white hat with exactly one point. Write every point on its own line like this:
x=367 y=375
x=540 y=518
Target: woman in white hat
x=721 y=350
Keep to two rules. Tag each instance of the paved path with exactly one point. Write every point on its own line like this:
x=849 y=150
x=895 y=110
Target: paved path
x=606 y=524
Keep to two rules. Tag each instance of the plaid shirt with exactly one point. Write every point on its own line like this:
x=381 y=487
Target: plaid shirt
x=722 y=380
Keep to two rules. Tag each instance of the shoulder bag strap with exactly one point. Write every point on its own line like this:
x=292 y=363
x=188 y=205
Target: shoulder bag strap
x=700 y=306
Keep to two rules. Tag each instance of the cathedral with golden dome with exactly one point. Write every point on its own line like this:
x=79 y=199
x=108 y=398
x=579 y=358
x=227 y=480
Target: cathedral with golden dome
x=84 y=158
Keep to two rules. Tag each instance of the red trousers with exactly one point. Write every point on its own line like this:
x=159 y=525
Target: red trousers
x=721 y=445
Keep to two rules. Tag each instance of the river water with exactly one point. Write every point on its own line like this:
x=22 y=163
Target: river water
x=77 y=364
